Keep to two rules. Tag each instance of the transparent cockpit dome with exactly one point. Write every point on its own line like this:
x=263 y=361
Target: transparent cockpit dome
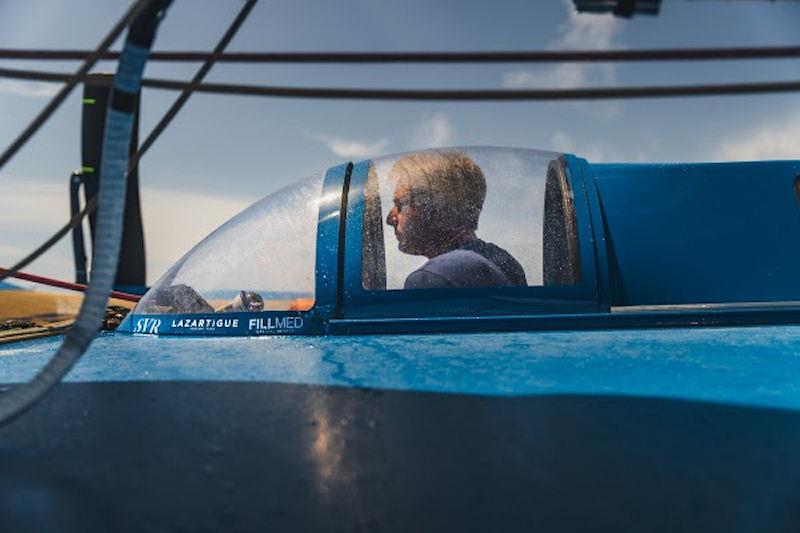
x=473 y=217
x=263 y=258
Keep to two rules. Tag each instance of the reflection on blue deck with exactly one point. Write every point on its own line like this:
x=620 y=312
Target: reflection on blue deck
x=757 y=366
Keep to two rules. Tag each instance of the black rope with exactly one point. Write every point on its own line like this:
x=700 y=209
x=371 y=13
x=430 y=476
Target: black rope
x=72 y=80
x=548 y=56
x=194 y=84
x=32 y=75
x=596 y=93
x=91 y=205
x=599 y=93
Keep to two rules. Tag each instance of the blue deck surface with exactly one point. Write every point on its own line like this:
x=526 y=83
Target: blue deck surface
x=756 y=366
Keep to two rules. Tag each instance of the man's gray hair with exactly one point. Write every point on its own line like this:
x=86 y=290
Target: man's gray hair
x=450 y=180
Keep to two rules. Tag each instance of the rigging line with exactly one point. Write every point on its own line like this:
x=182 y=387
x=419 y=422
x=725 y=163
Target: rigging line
x=52 y=282
x=595 y=93
x=510 y=56
x=32 y=75
x=196 y=80
x=598 y=93
x=485 y=94
x=91 y=205
x=136 y=8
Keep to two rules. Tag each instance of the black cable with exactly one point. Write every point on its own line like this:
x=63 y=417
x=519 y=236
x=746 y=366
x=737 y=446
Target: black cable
x=91 y=205
x=599 y=93
x=136 y=8
x=32 y=75
x=196 y=80
x=512 y=56
x=596 y=93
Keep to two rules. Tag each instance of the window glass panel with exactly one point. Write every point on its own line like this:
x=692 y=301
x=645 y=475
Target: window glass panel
x=263 y=258
x=471 y=217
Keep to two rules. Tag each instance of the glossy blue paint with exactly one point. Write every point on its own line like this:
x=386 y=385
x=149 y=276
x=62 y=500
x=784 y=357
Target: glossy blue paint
x=712 y=232
x=327 y=270
x=757 y=366
x=658 y=318
x=595 y=228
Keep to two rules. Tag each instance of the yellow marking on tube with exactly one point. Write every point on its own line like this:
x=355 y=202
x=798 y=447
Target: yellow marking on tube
x=89 y=101
x=87 y=169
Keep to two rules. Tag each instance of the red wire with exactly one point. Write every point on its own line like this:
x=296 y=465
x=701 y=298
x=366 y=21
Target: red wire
x=66 y=284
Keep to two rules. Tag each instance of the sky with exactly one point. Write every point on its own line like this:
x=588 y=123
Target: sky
x=223 y=153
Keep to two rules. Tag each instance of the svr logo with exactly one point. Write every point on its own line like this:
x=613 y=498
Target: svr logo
x=147 y=325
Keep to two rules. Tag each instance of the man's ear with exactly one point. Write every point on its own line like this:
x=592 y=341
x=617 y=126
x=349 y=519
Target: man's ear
x=422 y=200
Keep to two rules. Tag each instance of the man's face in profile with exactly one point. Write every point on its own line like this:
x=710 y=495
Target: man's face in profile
x=432 y=199
x=407 y=220
x=421 y=224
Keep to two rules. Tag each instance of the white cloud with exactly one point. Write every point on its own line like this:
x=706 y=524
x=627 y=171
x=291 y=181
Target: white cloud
x=352 y=148
x=562 y=142
x=31 y=211
x=27 y=202
x=32 y=89
x=11 y=250
x=433 y=132
x=586 y=30
x=775 y=140
x=581 y=31
x=177 y=220
x=565 y=76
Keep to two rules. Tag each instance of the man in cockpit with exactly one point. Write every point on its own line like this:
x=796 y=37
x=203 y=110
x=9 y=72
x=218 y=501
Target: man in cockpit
x=437 y=202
